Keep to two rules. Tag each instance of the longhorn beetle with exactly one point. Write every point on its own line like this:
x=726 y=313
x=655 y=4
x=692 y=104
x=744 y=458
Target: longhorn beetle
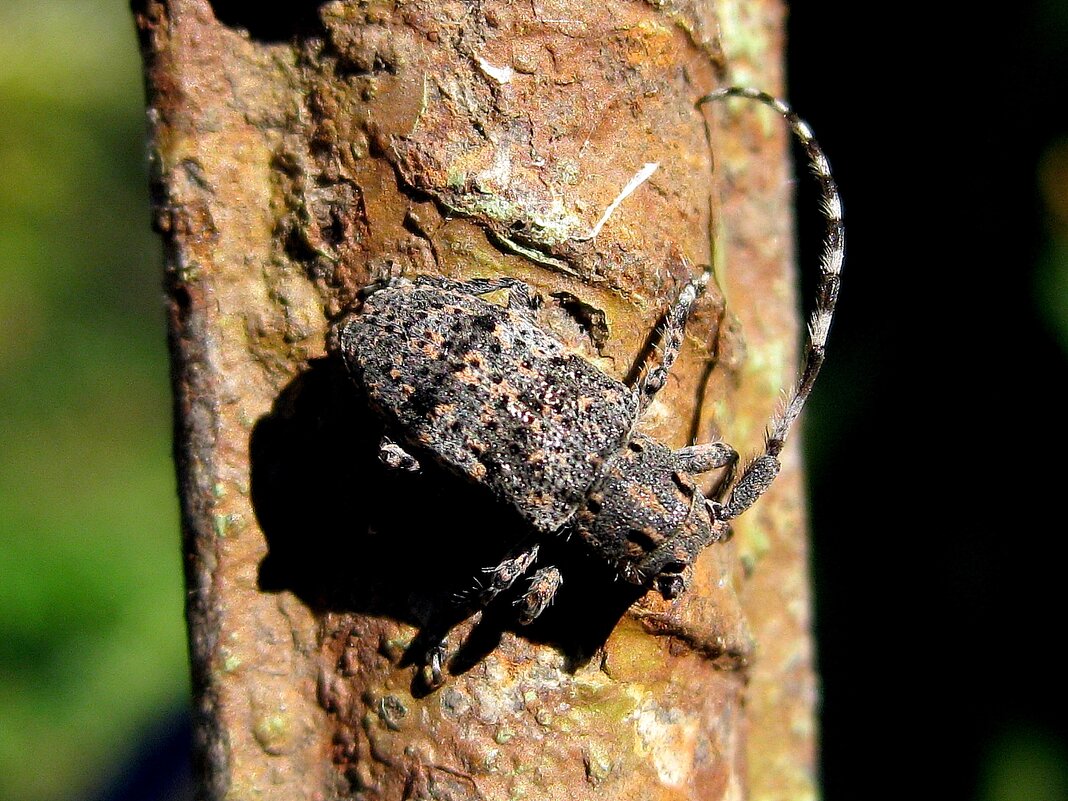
x=484 y=392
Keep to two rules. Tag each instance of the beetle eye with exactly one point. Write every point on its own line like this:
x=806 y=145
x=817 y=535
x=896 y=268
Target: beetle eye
x=670 y=585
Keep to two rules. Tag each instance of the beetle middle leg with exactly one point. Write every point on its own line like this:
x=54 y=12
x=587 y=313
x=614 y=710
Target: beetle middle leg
x=707 y=456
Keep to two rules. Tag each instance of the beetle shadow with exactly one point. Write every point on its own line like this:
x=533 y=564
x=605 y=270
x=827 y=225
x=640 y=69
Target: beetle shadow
x=347 y=534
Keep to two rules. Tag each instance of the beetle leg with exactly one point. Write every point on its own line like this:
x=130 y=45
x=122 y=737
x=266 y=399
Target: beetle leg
x=520 y=298
x=543 y=586
x=656 y=366
x=501 y=577
x=395 y=457
x=432 y=665
x=697 y=459
x=505 y=574
x=704 y=457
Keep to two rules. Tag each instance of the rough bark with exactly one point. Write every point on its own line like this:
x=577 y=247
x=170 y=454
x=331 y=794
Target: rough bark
x=297 y=155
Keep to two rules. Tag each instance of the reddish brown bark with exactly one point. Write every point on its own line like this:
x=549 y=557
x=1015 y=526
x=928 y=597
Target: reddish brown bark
x=295 y=157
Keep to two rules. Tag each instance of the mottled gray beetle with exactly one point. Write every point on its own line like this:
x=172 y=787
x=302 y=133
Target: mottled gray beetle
x=484 y=392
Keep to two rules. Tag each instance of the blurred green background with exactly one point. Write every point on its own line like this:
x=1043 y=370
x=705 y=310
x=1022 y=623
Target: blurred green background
x=940 y=620
x=92 y=648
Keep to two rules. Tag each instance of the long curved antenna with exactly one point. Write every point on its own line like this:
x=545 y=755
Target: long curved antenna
x=759 y=474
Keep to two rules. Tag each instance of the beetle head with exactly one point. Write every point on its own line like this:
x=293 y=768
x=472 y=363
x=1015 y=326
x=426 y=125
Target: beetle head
x=647 y=518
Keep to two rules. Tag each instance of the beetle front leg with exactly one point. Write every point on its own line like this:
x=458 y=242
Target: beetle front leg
x=702 y=458
x=657 y=366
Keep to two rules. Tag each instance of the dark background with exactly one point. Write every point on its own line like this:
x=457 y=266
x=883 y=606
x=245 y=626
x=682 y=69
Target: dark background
x=933 y=441
x=936 y=436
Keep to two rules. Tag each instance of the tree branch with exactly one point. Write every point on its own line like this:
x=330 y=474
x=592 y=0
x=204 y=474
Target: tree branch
x=296 y=158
